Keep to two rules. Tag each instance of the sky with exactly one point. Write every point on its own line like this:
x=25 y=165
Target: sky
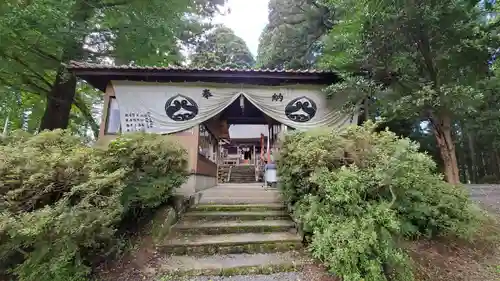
x=247 y=18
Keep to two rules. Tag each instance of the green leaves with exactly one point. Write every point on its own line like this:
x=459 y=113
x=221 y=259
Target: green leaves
x=222 y=48
x=359 y=192
x=426 y=45
x=153 y=167
x=37 y=37
x=429 y=59
x=62 y=201
x=292 y=39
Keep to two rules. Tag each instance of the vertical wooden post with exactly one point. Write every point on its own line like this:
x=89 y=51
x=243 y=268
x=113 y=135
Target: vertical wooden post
x=268 y=145
x=238 y=153
x=272 y=135
x=253 y=158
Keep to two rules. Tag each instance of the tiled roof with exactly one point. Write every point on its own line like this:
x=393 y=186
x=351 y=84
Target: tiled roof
x=100 y=75
x=74 y=65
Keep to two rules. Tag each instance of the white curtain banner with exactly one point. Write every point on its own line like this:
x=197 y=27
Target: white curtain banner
x=166 y=108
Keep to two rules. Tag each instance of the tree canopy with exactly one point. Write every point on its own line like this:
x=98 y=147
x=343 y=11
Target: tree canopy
x=292 y=38
x=222 y=48
x=37 y=39
x=426 y=58
x=425 y=67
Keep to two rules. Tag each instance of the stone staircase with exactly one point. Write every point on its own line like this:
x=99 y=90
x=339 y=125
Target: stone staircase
x=242 y=174
x=237 y=229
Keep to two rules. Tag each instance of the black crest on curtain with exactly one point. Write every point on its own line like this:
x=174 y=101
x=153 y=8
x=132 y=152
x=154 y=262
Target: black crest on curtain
x=301 y=109
x=181 y=108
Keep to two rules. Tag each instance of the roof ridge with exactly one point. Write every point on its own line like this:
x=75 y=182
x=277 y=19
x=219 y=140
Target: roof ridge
x=90 y=65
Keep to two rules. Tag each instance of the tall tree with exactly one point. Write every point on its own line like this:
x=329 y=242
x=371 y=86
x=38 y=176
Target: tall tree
x=37 y=39
x=222 y=48
x=292 y=38
x=429 y=54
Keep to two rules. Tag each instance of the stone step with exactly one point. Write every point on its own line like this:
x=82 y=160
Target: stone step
x=235 y=264
x=236 y=185
x=249 y=186
x=242 y=180
x=239 y=207
x=228 y=227
x=243 y=196
x=281 y=276
x=232 y=243
x=239 y=200
x=244 y=215
x=260 y=192
x=269 y=196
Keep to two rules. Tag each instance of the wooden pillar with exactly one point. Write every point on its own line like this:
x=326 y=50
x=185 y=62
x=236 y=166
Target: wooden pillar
x=268 y=146
x=253 y=158
x=272 y=135
x=239 y=154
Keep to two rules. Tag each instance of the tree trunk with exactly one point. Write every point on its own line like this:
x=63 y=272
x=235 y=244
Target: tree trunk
x=62 y=93
x=365 y=107
x=473 y=157
x=59 y=101
x=481 y=171
x=497 y=157
x=442 y=131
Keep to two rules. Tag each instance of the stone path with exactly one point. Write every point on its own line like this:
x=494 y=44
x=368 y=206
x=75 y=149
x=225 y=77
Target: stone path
x=238 y=230
x=488 y=195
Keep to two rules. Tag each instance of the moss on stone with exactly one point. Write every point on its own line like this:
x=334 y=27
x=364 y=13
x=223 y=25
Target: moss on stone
x=162 y=223
x=239 y=229
x=244 y=270
x=236 y=217
x=235 y=208
x=270 y=247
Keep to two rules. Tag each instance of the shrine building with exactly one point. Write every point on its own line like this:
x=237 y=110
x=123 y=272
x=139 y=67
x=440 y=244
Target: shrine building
x=226 y=119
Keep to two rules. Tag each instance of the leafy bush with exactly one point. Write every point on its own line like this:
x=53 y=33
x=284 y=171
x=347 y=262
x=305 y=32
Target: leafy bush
x=61 y=201
x=359 y=192
x=154 y=167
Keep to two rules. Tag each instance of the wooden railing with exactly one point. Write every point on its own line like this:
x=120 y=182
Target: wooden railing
x=236 y=161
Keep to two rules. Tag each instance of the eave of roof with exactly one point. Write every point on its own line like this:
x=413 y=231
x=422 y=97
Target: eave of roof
x=99 y=75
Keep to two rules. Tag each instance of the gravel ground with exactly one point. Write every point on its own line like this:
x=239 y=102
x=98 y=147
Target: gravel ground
x=487 y=195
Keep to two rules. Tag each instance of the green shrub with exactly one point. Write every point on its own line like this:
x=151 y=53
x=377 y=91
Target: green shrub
x=38 y=171
x=153 y=165
x=61 y=201
x=359 y=192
